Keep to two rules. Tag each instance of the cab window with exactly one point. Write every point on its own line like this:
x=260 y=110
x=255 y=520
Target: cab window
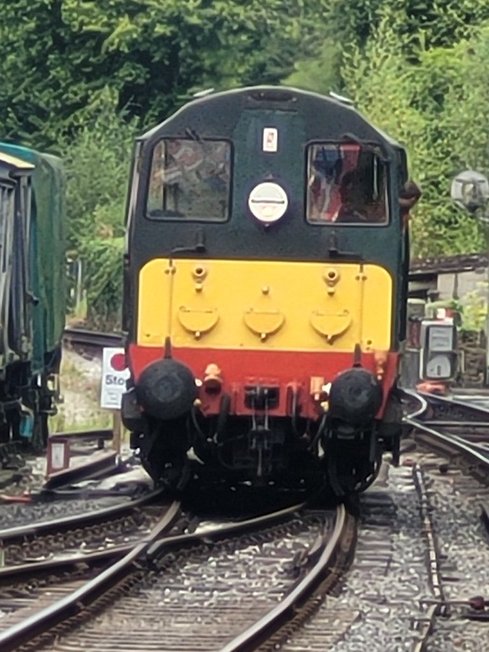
x=346 y=184
x=190 y=179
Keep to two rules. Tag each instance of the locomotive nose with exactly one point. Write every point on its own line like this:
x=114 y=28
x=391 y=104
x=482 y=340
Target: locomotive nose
x=355 y=396
x=166 y=389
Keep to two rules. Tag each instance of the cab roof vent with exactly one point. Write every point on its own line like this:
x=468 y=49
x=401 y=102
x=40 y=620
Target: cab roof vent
x=273 y=95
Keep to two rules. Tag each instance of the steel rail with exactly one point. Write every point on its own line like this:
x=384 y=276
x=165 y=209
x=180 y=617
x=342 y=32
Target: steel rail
x=271 y=622
x=97 y=339
x=435 y=400
x=43 y=527
x=104 y=434
x=71 y=605
x=17 y=571
x=410 y=393
x=428 y=427
x=429 y=621
x=154 y=550
x=450 y=443
x=223 y=530
x=453 y=441
x=150 y=547
x=456 y=424
x=104 y=463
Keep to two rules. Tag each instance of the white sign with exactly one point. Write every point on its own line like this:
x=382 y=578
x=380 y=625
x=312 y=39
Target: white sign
x=58 y=462
x=270 y=139
x=440 y=338
x=114 y=376
x=439 y=367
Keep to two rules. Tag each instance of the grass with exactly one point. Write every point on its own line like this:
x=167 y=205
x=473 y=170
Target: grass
x=80 y=390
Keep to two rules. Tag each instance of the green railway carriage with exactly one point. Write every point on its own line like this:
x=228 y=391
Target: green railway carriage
x=35 y=303
x=15 y=193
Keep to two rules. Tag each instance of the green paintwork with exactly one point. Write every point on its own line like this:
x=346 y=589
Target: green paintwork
x=47 y=253
x=301 y=118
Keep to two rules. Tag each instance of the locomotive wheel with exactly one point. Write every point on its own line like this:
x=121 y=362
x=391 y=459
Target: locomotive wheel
x=166 y=464
x=173 y=475
x=347 y=474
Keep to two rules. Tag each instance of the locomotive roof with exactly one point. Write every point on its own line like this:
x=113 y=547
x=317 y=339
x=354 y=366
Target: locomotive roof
x=216 y=113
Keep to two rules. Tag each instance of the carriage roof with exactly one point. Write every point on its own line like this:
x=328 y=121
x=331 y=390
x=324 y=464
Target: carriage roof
x=11 y=166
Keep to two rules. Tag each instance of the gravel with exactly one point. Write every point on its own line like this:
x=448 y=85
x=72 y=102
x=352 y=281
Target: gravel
x=384 y=601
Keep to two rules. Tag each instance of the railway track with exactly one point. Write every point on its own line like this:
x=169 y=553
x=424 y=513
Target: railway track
x=85 y=456
x=249 y=577
x=68 y=540
x=90 y=341
x=421 y=563
x=50 y=609
x=459 y=432
x=446 y=412
x=458 y=429
x=262 y=583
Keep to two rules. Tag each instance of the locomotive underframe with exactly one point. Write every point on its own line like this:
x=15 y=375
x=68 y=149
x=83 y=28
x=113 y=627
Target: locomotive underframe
x=261 y=450
x=27 y=400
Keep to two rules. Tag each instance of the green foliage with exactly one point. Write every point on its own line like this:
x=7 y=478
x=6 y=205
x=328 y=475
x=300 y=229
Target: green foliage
x=150 y=53
x=97 y=165
x=474 y=309
x=89 y=73
x=413 y=26
x=80 y=77
x=438 y=107
x=103 y=266
x=320 y=73
x=419 y=71
x=431 y=23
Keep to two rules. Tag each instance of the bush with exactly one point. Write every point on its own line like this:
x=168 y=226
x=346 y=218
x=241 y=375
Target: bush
x=97 y=162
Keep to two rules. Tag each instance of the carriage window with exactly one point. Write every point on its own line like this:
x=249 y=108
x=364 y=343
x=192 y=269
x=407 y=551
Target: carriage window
x=190 y=179
x=6 y=220
x=346 y=183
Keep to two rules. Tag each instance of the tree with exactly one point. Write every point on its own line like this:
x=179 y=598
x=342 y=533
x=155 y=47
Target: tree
x=97 y=164
x=438 y=107
x=151 y=53
x=431 y=97
x=80 y=77
x=90 y=73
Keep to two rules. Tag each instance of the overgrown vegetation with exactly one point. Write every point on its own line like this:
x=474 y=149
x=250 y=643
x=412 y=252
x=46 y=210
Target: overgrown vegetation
x=420 y=73
x=97 y=163
x=80 y=408
x=82 y=77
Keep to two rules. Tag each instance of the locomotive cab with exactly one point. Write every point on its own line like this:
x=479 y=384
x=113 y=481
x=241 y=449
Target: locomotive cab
x=265 y=279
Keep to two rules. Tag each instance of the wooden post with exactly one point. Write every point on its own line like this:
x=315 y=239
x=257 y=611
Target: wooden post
x=116 y=430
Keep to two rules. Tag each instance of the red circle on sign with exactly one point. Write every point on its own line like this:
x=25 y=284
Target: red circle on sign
x=118 y=362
